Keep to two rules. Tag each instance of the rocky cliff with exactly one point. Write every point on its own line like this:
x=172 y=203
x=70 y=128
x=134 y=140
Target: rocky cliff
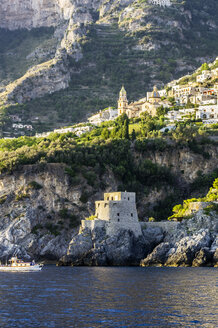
x=30 y=14
x=41 y=206
x=103 y=44
x=190 y=243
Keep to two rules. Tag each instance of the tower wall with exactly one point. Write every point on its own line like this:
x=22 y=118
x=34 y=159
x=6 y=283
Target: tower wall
x=117 y=211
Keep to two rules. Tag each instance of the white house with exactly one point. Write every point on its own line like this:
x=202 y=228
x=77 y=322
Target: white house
x=162 y=3
x=207 y=112
x=204 y=76
x=64 y=130
x=103 y=116
x=180 y=115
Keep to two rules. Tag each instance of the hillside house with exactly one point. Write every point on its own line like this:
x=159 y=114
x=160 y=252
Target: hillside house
x=207 y=112
x=103 y=116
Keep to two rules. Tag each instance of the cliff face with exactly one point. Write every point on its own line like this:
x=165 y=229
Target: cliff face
x=29 y=14
x=41 y=207
x=39 y=212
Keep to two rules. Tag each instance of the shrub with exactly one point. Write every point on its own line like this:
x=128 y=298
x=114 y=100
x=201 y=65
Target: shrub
x=63 y=213
x=34 y=185
x=36 y=228
x=21 y=196
x=90 y=218
x=53 y=229
x=84 y=197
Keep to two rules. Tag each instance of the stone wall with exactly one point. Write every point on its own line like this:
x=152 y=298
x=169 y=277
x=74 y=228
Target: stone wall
x=92 y=224
x=102 y=210
x=130 y=196
x=166 y=226
x=111 y=228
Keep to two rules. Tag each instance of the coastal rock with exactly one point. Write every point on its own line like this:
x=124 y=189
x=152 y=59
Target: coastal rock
x=183 y=253
x=215 y=258
x=202 y=257
x=158 y=256
x=96 y=248
x=153 y=236
x=38 y=213
x=214 y=251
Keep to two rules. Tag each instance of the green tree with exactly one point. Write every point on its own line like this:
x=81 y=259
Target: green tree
x=133 y=135
x=205 y=67
x=126 y=130
x=105 y=134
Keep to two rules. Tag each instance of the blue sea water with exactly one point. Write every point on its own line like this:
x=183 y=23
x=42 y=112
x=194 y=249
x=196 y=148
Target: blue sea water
x=112 y=297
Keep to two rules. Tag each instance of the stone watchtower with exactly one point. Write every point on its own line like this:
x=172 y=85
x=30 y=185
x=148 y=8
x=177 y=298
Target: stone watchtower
x=117 y=211
x=122 y=101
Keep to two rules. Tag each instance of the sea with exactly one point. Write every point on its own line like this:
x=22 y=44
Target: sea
x=91 y=297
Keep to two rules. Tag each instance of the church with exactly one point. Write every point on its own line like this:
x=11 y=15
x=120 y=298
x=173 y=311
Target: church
x=148 y=104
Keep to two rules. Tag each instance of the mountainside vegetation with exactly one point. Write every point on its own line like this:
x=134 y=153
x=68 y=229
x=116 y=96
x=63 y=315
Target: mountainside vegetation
x=21 y=49
x=137 y=44
x=144 y=160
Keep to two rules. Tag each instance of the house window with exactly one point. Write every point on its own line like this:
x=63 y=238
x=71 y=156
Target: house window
x=112 y=198
x=131 y=214
x=118 y=214
x=108 y=198
x=105 y=205
x=128 y=198
x=118 y=220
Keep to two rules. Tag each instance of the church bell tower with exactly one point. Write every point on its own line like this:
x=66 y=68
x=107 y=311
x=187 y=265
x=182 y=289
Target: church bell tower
x=122 y=101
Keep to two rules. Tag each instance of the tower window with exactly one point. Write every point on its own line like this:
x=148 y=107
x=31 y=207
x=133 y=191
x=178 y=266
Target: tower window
x=118 y=214
x=118 y=220
x=128 y=198
x=131 y=214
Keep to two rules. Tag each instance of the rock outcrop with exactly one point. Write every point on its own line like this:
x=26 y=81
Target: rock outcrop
x=97 y=248
x=29 y=14
x=40 y=213
x=192 y=244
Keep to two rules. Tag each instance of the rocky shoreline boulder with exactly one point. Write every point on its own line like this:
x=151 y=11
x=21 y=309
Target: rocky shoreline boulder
x=95 y=248
x=194 y=243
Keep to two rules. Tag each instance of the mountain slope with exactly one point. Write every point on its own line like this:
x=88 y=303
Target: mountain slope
x=103 y=44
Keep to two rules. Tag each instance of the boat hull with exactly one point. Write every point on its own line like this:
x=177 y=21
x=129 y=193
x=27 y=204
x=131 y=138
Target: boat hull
x=34 y=268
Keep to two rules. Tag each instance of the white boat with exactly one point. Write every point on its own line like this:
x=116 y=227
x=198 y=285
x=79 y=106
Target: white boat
x=20 y=266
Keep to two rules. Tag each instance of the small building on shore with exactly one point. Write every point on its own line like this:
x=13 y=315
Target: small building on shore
x=116 y=212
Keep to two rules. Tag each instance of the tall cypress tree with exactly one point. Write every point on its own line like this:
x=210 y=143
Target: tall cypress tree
x=133 y=135
x=126 y=129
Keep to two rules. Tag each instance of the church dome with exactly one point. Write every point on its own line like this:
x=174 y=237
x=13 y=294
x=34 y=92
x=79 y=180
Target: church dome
x=155 y=93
